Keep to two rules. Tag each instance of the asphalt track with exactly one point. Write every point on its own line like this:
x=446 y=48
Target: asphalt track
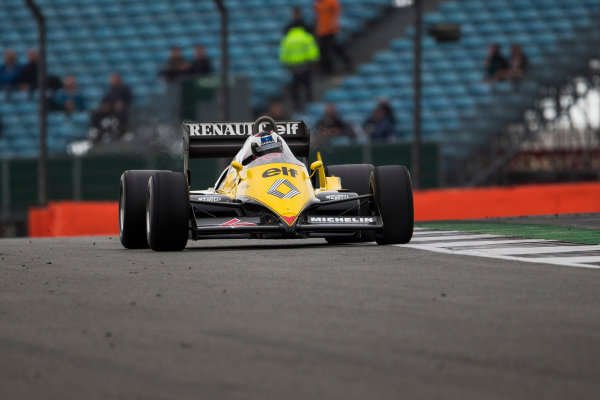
x=83 y=318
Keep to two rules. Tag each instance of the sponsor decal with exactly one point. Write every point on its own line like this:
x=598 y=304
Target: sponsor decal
x=283 y=189
x=276 y=171
x=266 y=139
x=212 y=199
x=337 y=197
x=342 y=220
x=238 y=129
x=236 y=222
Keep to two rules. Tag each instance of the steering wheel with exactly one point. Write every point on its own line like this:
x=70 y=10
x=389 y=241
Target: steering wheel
x=260 y=120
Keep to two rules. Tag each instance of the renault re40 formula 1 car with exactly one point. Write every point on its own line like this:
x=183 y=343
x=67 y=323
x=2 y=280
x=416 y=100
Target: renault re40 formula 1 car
x=266 y=192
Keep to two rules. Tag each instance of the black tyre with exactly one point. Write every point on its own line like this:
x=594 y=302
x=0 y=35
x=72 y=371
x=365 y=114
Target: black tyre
x=355 y=178
x=392 y=190
x=167 y=211
x=132 y=208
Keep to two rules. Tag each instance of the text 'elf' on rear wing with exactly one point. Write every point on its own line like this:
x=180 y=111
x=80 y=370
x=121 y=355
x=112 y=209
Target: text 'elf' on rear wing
x=225 y=139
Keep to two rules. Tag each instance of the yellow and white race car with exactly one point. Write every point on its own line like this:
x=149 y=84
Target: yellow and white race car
x=266 y=192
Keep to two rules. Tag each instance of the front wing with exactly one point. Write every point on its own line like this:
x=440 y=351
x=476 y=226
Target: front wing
x=310 y=224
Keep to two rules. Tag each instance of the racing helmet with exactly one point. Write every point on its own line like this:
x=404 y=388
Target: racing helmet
x=266 y=142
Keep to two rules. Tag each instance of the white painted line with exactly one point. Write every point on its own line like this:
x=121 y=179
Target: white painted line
x=554 y=261
x=461 y=241
x=543 y=250
x=576 y=260
x=451 y=238
x=482 y=242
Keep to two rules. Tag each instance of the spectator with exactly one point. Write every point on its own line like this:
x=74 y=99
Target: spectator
x=68 y=99
x=53 y=83
x=328 y=13
x=277 y=111
x=201 y=64
x=298 y=52
x=176 y=65
x=495 y=64
x=331 y=125
x=381 y=123
x=517 y=64
x=28 y=75
x=384 y=104
x=9 y=72
x=109 y=120
x=297 y=21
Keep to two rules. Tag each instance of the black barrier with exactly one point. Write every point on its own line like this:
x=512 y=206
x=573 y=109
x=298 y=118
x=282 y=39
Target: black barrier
x=97 y=176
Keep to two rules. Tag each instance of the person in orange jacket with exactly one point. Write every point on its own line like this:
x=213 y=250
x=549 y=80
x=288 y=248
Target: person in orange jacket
x=327 y=13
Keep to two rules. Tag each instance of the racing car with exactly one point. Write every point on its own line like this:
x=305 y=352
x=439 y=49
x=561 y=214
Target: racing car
x=266 y=192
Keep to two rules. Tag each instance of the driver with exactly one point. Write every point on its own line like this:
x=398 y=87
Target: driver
x=266 y=142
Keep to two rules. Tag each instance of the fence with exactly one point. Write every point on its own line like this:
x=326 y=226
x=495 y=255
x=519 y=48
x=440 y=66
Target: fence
x=96 y=177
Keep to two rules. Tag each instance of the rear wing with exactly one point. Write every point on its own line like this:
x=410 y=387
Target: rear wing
x=225 y=139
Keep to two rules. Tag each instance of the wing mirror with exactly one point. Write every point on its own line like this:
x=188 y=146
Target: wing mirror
x=237 y=166
x=317 y=164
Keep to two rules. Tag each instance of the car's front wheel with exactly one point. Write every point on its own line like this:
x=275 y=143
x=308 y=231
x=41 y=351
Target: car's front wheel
x=392 y=190
x=167 y=211
x=132 y=208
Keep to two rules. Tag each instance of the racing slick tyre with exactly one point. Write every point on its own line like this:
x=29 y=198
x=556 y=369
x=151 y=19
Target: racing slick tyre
x=132 y=208
x=167 y=211
x=392 y=191
x=355 y=178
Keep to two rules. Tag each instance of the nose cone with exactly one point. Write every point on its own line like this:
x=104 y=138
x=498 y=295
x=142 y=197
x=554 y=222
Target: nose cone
x=283 y=188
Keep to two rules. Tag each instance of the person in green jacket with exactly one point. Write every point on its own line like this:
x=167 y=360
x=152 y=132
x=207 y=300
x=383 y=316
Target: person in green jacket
x=299 y=52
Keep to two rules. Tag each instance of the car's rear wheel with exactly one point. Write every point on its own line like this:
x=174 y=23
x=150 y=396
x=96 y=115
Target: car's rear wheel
x=167 y=211
x=355 y=178
x=392 y=190
x=132 y=208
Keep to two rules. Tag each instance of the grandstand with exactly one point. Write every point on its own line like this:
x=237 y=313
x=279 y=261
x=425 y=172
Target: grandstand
x=91 y=38
x=459 y=109
x=463 y=115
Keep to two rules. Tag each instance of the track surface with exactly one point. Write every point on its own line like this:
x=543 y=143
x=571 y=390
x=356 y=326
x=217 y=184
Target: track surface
x=82 y=318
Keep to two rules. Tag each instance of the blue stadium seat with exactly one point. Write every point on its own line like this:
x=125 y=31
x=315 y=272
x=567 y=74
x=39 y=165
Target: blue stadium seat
x=91 y=38
x=369 y=69
x=353 y=82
